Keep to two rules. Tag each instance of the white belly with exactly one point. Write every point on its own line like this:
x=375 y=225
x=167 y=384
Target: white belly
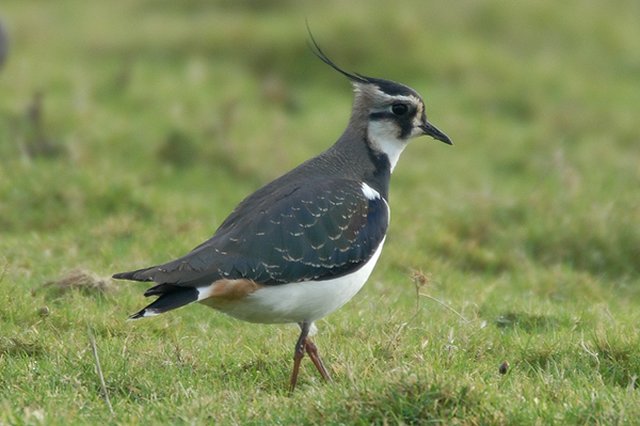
x=303 y=301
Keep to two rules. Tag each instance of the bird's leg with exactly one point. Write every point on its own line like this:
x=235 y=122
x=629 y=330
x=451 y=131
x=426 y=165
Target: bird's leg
x=312 y=350
x=299 y=353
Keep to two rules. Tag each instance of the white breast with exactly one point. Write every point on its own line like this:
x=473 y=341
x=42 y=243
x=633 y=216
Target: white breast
x=304 y=301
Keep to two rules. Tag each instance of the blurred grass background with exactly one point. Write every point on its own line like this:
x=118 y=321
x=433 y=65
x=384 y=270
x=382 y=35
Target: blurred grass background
x=130 y=129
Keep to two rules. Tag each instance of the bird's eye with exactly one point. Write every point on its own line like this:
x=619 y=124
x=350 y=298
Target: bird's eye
x=399 y=109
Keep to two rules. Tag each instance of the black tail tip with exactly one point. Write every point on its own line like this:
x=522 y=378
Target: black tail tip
x=121 y=276
x=137 y=275
x=139 y=314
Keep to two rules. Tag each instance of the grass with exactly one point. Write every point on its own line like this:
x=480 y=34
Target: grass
x=128 y=130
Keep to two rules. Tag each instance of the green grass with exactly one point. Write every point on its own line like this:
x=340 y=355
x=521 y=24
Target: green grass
x=158 y=117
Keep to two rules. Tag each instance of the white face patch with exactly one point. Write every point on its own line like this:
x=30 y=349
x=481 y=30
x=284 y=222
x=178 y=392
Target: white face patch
x=417 y=121
x=384 y=134
x=384 y=137
x=369 y=192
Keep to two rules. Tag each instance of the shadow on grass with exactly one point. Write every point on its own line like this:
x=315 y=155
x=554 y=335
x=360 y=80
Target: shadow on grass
x=615 y=360
x=618 y=360
x=20 y=346
x=527 y=322
x=410 y=401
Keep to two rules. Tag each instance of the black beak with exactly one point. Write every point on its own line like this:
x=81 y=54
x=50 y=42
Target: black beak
x=431 y=130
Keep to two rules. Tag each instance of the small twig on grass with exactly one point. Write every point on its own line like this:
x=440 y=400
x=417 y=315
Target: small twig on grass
x=103 y=385
x=594 y=354
x=446 y=306
x=422 y=280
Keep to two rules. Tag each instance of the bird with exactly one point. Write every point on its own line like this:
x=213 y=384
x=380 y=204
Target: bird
x=303 y=245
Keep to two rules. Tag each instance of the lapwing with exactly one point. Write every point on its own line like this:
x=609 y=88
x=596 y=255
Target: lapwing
x=303 y=245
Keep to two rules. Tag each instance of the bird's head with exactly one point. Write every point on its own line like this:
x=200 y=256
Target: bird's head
x=390 y=112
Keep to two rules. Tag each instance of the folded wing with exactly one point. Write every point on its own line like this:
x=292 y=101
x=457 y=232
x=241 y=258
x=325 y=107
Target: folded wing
x=322 y=230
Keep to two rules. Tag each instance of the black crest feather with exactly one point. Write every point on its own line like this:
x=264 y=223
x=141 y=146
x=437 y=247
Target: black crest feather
x=313 y=45
x=387 y=86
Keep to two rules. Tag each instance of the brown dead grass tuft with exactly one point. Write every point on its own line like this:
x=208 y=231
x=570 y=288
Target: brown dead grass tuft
x=82 y=280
